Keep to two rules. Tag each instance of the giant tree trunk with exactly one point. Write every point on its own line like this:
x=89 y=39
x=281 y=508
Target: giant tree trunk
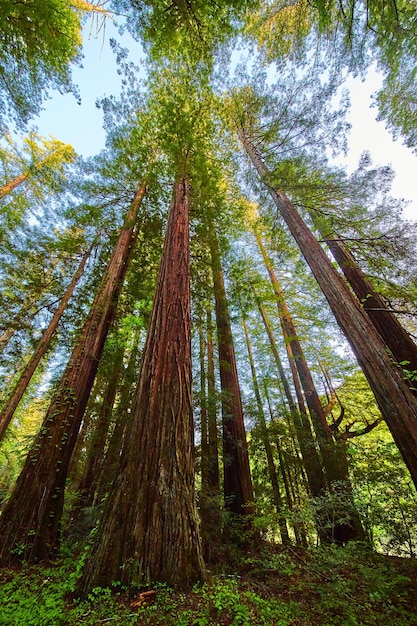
x=87 y=484
x=16 y=395
x=273 y=477
x=396 y=402
x=210 y=513
x=31 y=519
x=336 y=472
x=402 y=347
x=149 y=531
x=105 y=476
x=238 y=491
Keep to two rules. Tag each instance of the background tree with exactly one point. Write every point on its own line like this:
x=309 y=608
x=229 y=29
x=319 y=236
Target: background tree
x=39 y=516
x=351 y=36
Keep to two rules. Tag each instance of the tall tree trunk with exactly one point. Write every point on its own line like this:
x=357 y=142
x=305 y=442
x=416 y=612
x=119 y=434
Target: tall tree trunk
x=311 y=462
x=300 y=372
x=290 y=479
x=273 y=345
x=203 y=416
x=396 y=402
x=238 y=491
x=149 y=531
x=276 y=491
x=290 y=336
x=31 y=519
x=213 y=474
x=210 y=513
x=335 y=471
x=295 y=420
x=107 y=471
x=299 y=415
x=402 y=347
x=16 y=395
x=95 y=456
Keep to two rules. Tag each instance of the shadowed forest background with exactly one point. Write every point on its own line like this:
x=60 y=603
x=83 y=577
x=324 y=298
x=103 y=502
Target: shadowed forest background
x=208 y=394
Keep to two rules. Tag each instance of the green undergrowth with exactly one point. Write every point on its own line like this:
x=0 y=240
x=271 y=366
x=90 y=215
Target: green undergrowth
x=278 y=587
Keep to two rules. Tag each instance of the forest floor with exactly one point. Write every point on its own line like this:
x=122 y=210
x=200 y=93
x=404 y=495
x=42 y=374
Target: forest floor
x=276 y=587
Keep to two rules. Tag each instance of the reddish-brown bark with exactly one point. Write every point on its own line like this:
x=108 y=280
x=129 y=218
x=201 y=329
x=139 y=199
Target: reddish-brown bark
x=303 y=381
x=302 y=433
x=336 y=472
x=121 y=418
x=213 y=473
x=12 y=184
x=16 y=395
x=277 y=358
x=273 y=477
x=149 y=531
x=399 y=342
x=87 y=484
x=31 y=518
x=203 y=415
x=238 y=491
x=396 y=402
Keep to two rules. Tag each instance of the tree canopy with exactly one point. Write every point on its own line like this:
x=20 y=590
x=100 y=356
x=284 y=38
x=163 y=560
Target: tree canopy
x=207 y=330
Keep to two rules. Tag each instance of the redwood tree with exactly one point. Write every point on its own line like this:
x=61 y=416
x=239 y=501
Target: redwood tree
x=16 y=395
x=149 y=529
x=238 y=491
x=31 y=518
x=273 y=477
x=396 y=402
x=336 y=474
x=402 y=347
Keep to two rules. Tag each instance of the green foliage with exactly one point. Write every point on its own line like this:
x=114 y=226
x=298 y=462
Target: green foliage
x=383 y=492
x=385 y=495
x=397 y=103
x=181 y=29
x=32 y=172
x=38 y=42
x=325 y=587
x=349 y=34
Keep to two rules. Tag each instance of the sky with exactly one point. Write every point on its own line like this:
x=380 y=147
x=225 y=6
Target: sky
x=368 y=134
x=81 y=126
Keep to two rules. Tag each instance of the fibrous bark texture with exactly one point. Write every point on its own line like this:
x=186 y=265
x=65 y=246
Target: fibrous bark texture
x=149 y=531
x=396 y=402
x=30 y=523
x=238 y=491
x=399 y=342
